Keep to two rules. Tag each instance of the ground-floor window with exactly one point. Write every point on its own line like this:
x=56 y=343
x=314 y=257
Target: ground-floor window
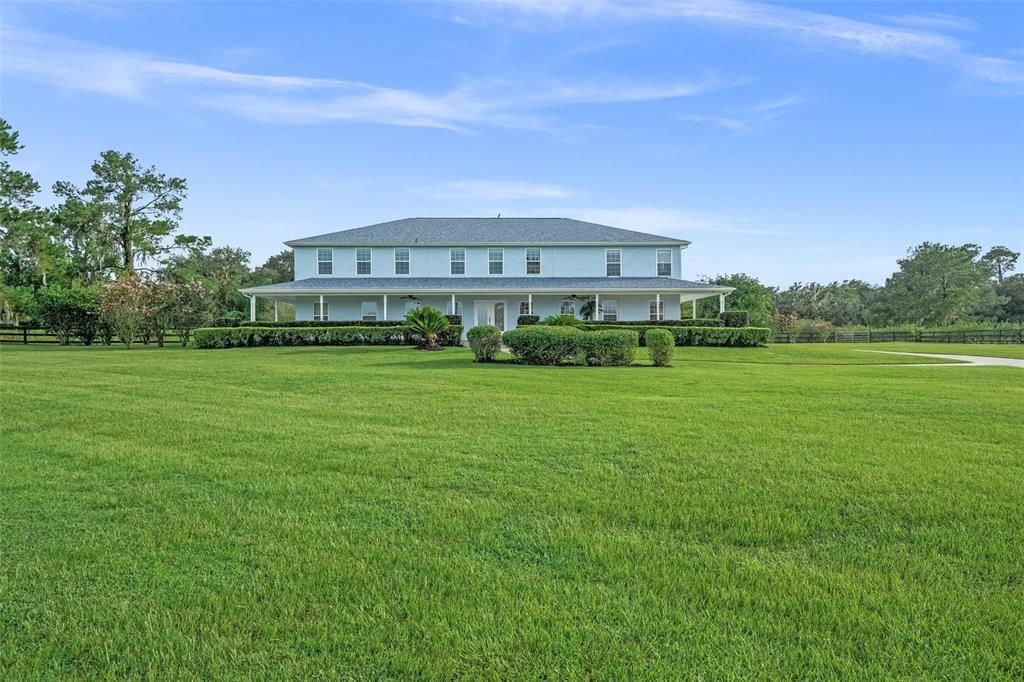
x=568 y=307
x=524 y=308
x=657 y=309
x=318 y=314
x=458 y=308
x=610 y=311
x=369 y=311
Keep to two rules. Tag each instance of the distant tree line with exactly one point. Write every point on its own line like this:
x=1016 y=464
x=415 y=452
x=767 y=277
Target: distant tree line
x=936 y=285
x=109 y=254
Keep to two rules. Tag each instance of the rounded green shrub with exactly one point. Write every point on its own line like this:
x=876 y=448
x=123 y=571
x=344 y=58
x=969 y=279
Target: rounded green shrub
x=543 y=345
x=485 y=342
x=661 y=343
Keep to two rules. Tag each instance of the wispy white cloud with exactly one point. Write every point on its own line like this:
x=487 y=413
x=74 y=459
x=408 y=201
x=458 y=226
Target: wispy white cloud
x=791 y=23
x=668 y=221
x=288 y=99
x=493 y=190
x=750 y=119
x=933 y=21
x=720 y=121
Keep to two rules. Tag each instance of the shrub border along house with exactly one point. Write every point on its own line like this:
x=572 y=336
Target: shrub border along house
x=546 y=345
x=247 y=337
x=739 y=337
x=485 y=342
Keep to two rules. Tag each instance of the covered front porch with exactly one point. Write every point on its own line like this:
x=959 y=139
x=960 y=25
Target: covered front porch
x=499 y=308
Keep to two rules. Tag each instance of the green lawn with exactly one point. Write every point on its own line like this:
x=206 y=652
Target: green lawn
x=796 y=511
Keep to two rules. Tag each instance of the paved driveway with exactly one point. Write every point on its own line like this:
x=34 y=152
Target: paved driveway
x=961 y=360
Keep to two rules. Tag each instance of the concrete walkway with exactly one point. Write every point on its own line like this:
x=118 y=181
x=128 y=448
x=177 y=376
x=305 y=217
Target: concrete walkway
x=961 y=360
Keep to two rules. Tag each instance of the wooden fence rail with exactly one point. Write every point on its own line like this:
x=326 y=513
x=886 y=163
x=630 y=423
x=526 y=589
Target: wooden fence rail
x=26 y=335
x=922 y=336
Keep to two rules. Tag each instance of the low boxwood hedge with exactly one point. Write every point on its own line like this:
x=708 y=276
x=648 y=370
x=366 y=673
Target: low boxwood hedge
x=736 y=318
x=703 y=336
x=243 y=337
x=547 y=345
x=526 y=320
x=688 y=322
x=325 y=323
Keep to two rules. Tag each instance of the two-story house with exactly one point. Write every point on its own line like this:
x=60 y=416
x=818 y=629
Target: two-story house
x=489 y=270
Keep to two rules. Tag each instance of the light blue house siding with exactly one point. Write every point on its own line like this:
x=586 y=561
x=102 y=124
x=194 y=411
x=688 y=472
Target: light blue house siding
x=351 y=307
x=434 y=261
x=354 y=271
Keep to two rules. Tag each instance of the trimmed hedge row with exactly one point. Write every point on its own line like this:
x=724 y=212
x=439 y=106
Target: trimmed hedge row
x=687 y=322
x=245 y=337
x=703 y=336
x=526 y=320
x=452 y=319
x=736 y=318
x=546 y=345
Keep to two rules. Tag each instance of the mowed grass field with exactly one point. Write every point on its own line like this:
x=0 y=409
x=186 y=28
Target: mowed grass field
x=790 y=512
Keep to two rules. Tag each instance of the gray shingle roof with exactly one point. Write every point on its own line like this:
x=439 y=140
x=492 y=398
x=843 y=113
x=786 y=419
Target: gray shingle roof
x=457 y=284
x=460 y=231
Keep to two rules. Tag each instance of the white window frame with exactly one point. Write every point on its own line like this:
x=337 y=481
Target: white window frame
x=364 y=313
x=572 y=305
x=524 y=308
x=604 y=309
x=321 y=316
x=320 y=261
x=539 y=261
x=606 y=263
x=658 y=262
x=368 y=261
x=661 y=310
x=490 y=260
x=407 y=261
x=453 y=261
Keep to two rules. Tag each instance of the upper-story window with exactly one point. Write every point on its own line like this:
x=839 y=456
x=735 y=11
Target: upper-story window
x=402 y=261
x=613 y=262
x=664 y=262
x=363 y=256
x=325 y=261
x=495 y=261
x=533 y=261
x=457 y=257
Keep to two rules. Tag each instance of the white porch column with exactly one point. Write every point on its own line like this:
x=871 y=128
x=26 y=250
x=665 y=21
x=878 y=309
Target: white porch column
x=321 y=308
x=385 y=307
x=454 y=312
x=275 y=311
x=252 y=308
x=597 y=306
x=693 y=313
x=657 y=306
x=529 y=300
x=721 y=303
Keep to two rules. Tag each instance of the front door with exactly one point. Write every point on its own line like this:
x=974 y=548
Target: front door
x=492 y=313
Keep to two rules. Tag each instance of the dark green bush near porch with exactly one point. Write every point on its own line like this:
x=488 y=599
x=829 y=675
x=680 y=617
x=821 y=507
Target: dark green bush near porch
x=701 y=336
x=546 y=345
x=247 y=337
x=324 y=323
x=736 y=318
x=484 y=341
x=688 y=322
x=661 y=344
x=454 y=319
x=615 y=347
x=527 y=320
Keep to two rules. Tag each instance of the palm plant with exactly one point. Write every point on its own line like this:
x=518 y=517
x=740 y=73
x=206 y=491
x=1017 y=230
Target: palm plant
x=428 y=323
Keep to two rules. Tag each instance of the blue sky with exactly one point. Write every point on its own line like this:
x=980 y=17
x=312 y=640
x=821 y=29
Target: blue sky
x=800 y=141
